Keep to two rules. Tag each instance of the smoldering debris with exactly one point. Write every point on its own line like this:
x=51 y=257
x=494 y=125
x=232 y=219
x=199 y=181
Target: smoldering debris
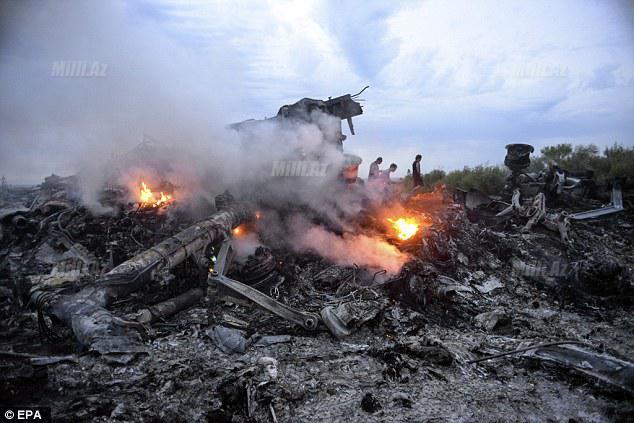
x=254 y=308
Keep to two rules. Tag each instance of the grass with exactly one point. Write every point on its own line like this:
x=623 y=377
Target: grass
x=614 y=161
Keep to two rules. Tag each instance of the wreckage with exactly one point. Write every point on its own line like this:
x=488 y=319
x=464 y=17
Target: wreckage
x=306 y=110
x=312 y=111
x=474 y=312
x=530 y=193
x=85 y=311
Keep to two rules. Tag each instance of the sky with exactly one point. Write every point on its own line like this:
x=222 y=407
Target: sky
x=453 y=80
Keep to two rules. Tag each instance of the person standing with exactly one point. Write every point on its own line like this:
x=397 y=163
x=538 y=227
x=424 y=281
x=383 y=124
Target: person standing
x=374 y=168
x=385 y=174
x=416 y=175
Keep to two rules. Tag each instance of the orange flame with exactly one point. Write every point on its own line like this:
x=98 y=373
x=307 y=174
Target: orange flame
x=146 y=194
x=405 y=227
x=238 y=230
x=147 y=197
x=165 y=199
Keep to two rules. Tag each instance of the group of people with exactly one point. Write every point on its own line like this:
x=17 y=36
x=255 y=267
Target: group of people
x=377 y=175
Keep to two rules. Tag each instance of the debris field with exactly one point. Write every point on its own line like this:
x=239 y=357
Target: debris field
x=151 y=314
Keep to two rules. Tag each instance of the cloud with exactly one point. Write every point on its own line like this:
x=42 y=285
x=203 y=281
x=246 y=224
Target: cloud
x=603 y=77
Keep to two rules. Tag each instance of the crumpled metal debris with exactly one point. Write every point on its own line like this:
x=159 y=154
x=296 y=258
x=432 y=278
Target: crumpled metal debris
x=229 y=340
x=169 y=307
x=535 y=212
x=429 y=349
x=611 y=370
x=490 y=285
x=265 y=341
x=616 y=205
x=492 y=320
x=347 y=317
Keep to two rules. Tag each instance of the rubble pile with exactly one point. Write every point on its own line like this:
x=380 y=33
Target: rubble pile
x=488 y=320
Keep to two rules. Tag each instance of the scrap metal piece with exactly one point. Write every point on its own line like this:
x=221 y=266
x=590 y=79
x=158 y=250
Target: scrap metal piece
x=7 y=213
x=616 y=205
x=260 y=271
x=471 y=198
x=335 y=323
x=75 y=249
x=228 y=340
x=558 y=222
x=347 y=317
x=308 y=321
x=536 y=213
x=265 y=341
x=608 y=369
x=169 y=307
x=492 y=320
x=518 y=156
x=224 y=258
x=344 y=107
x=570 y=354
x=515 y=204
x=306 y=110
x=517 y=160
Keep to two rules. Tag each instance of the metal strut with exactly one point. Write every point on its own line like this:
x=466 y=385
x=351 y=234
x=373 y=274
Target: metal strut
x=308 y=321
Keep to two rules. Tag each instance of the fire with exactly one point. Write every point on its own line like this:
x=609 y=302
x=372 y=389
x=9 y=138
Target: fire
x=238 y=230
x=165 y=199
x=405 y=227
x=146 y=194
x=147 y=198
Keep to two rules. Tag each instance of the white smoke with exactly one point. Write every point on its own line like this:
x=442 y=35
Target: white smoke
x=156 y=85
x=350 y=249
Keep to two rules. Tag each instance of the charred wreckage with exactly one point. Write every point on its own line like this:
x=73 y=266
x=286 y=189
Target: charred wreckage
x=478 y=308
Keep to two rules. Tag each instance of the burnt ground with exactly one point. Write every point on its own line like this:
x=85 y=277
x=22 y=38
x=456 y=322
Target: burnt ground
x=409 y=361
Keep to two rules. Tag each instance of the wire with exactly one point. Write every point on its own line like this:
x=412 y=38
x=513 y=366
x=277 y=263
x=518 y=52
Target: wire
x=42 y=301
x=550 y=344
x=359 y=93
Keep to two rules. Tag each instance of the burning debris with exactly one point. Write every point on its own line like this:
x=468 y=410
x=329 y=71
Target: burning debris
x=147 y=198
x=405 y=227
x=344 y=304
